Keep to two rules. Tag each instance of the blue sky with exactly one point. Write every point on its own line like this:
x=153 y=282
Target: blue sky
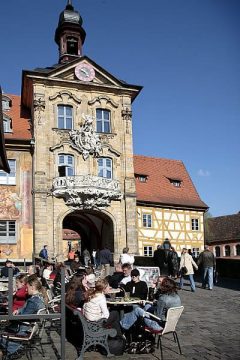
x=185 y=53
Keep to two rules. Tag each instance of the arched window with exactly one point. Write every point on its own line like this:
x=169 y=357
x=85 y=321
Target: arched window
x=217 y=251
x=72 y=46
x=227 y=250
x=105 y=168
x=103 y=121
x=65 y=165
x=238 y=249
x=6 y=103
x=65 y=117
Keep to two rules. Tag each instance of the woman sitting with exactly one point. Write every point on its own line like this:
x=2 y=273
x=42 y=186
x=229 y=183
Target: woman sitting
x=96 y=306
x=168 y=298
x=76 y=290
x=21 y=294
x=35 y=302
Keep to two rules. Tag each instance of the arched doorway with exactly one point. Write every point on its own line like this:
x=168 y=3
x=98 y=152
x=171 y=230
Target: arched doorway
x=95 y=229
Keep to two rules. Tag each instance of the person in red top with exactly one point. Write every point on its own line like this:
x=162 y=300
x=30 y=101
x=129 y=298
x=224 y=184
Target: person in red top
x=21 y=293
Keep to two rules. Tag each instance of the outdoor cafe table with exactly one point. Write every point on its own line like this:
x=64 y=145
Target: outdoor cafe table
x=121 y=304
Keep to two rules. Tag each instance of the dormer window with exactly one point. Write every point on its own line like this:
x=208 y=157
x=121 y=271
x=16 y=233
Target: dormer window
x=7 y=125
x=141 y=178
x=176 y=182
x=6 y=103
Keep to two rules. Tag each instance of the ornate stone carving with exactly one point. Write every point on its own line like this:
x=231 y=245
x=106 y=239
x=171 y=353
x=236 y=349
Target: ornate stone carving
x=39 y=107
x=101 y=98
x=86 y=191
x=65 y=93
x=85 y=140
x=127 y=115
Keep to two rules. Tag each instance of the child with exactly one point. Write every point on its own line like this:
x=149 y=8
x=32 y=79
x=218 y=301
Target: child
x=21 y=293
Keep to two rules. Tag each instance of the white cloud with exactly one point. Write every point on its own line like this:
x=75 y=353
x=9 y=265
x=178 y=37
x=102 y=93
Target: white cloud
x=202 y=172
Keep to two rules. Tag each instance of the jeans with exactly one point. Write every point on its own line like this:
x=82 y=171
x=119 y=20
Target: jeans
x=207 y=277
x=192 y=283
x=130 y=318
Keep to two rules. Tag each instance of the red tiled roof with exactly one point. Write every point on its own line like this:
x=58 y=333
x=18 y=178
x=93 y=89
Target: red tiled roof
x=159 y=189
x=20 y=123
x=223 y=228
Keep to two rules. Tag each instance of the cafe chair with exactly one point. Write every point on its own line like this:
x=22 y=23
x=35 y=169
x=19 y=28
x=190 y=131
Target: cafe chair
x=173 y=315
x=29 y=341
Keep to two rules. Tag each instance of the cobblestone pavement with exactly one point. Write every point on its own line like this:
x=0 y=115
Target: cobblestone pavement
x=208 y=328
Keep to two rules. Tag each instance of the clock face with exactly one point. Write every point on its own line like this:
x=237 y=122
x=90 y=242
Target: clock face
x=84 y=72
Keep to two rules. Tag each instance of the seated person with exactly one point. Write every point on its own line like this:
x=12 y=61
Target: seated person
x=5 y=269
x=126 y=268
x=96 y=306
x=168 y=298
x=76 y=264
x=76 y=290
x=116 y=277
x=47 y=271
x=21 y=294
x=136 y=287
x=35 y=302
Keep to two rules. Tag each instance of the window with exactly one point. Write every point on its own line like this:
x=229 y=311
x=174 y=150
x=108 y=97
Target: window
x=65 y=165
x=7 y=125
x=227 y=250
x=196 y=252
x=238 y=249
x=147 y=251
x=9 y=179
x=105 y=168
x=141 y=178
x=175 y=182
x=7 y=232
x=65 y=117
x=217 y=251
x=195 y=224
x=147 y=220
x=72 y=46
x=6 y=103
x=103 y=120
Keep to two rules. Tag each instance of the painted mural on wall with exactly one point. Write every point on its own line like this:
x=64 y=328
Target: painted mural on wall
x=10 y=203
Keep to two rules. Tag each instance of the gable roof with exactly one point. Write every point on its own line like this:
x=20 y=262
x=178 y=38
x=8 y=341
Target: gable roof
x=223 y=228
x=20 y=120
x=158 y=188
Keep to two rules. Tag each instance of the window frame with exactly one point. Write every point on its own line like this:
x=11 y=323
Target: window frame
x=148 y=250
x=65 y=164
x=7 y=129
x=217 y=251
x=8 y=239
x=103 y=121
x=64 y=117
x=104 y=168
x=226 y=248
x=195 y=226
x=9 y=179
x=145 y=222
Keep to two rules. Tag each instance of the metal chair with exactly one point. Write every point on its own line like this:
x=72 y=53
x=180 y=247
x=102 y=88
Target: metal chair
x=29 y=341
x=173 y=316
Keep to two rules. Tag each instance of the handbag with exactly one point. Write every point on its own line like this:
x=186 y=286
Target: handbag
x=183 y=271
x=13 y=327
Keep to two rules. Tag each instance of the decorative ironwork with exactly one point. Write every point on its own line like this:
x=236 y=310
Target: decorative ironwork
x=86 y=191
x=85 y=140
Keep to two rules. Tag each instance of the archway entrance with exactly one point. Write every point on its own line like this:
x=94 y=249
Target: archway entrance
x=95 y=229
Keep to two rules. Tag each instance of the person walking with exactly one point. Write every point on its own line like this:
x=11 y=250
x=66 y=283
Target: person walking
x=160 y=259
x=187 y=263
x=86 y=257
x=208 y=262
x=44 y=253
x=173 y=264
x=105 y=260
x=126 y=258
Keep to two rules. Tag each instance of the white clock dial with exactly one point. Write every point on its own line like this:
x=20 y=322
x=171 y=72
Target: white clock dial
x=84 y=72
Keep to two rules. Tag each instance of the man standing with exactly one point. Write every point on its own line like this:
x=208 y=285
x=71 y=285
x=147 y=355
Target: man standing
x=208 y=262
x=105 y=259
x=160 y=260
x=44 y=253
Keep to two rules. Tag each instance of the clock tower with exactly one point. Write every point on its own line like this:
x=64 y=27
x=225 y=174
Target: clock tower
x=69 y=34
